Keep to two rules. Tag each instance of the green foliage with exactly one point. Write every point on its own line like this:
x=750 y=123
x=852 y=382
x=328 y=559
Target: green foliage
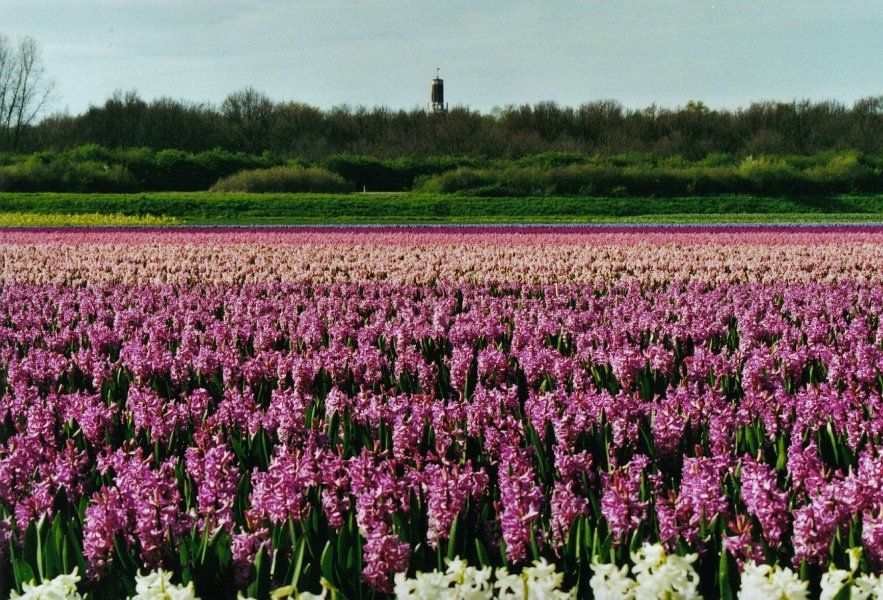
x=641 y=175
x=548 y=160
x=174 y=170
x=391 y=175
x=94 y=168
x=36 y=173
x=283 y=180
x=479 y=181
x=634 y=159
x=97 y=169
x=719 y=159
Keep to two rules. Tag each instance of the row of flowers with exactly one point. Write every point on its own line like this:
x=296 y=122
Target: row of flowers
x=654 y=575
x=246 y=437
x=615 y=413
x=601 y=256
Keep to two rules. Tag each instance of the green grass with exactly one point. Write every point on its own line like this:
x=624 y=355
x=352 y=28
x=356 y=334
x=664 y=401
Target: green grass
x=217 y=208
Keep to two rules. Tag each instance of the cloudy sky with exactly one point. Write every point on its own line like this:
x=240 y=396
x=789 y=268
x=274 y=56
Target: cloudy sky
x=490 y=52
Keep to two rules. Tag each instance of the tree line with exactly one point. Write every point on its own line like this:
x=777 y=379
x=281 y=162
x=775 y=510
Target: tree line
x=250 y=122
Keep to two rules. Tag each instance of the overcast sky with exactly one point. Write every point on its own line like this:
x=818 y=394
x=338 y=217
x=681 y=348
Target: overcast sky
x=490 y=52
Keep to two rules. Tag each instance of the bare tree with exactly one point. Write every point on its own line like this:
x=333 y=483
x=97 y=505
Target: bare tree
x=249 y=114
x=24 y=89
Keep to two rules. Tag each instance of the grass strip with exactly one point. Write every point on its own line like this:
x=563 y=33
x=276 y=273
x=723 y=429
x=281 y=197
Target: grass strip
x=219 y=208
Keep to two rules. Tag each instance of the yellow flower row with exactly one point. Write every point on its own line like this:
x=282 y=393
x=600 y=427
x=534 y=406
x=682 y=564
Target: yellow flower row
x=23 y=219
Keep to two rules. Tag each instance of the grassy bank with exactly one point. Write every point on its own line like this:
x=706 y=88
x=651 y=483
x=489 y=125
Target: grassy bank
x=219 y=208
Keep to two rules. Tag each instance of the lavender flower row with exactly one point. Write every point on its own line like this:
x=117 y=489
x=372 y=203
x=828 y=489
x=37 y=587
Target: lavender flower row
x=247 y=435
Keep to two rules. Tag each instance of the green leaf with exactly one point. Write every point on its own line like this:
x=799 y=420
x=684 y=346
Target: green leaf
x=24 y=572
x=596 y=547
x=647 y=436
x=260 y=585
x=724 y=583
x=40 y=555
x=573 y=535
x=844 y=593
x=636 y=542
x=782 y=455
x=452 y=539
x=534 y=547
x=326 y=562
x=206 y=533
x=53 y=549
x=833 y=440
x=184 y=553
x=31 y=548
x=344 y=542
x=481 y=553
x=72 y=549
x=298 y=562
x=606 y=546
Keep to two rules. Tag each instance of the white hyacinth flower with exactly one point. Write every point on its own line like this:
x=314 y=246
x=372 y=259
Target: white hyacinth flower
x=775 y=583
x=463 y=582
x=312 y=596
x=289 y=592
x=475 y=584
x=611 y=583
x=458 y=582
x=662 y=576
x=543 y=582
x=158 y=585
x=424 y=586
x=863 y=587
x=510 y=586
x=833 y=581
x=867 y=586
x=756 y=582
x=788 y=585
x=63 y=587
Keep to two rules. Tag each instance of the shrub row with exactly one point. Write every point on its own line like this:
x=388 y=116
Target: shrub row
x=841 y=174
x=284 y=180
x=34 y=175
x=394 y=175
x=97 y=169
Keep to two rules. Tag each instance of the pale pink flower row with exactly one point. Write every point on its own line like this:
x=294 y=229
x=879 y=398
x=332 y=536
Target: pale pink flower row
x=407 y=255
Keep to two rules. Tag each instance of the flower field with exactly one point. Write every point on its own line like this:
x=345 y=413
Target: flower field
x=340 y=409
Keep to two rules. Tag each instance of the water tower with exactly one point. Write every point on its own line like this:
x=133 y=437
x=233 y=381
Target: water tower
x=438 y=95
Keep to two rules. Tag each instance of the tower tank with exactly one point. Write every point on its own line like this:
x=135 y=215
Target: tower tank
x=438 y=94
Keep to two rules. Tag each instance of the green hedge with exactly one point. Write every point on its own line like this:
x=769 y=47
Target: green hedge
x=842 y=173
x=392 y=175
x=98 y=169
x=35 y=175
